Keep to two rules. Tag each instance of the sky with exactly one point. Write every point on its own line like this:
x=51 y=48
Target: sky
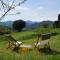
x=35 y=10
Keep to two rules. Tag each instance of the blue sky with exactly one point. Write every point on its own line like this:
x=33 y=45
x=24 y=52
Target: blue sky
x=36 y=10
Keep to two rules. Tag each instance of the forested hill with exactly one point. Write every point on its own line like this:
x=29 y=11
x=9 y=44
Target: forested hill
x=29 y=24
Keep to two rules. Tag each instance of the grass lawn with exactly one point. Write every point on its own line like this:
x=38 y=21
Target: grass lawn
x=34 y=54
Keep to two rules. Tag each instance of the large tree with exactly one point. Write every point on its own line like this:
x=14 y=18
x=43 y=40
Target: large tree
x=19 y=25
x=59 y=17
x=56 y=24
x=7 y=5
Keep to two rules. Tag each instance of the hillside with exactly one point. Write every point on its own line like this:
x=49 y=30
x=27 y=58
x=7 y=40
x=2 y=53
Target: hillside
x=7 y=23
x=29 y=24
x=36 y=25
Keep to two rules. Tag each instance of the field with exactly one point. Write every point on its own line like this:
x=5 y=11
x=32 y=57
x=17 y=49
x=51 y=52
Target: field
x=29 y=37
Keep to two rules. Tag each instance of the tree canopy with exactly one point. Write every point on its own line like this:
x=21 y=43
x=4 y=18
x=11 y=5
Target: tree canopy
x=19 y=25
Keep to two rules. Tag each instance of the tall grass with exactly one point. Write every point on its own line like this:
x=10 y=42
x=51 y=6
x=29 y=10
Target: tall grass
x=30 y=38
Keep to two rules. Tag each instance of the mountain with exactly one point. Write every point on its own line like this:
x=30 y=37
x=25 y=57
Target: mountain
x=7 y=23
x=34 y=25
x=50 y=23
x=29 y=24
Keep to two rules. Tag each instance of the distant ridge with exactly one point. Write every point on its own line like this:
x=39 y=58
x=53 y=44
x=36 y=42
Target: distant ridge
x=29 y=24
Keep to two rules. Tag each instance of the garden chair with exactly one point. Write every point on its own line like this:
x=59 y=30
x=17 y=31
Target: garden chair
x=12 y=42
x=43 y=41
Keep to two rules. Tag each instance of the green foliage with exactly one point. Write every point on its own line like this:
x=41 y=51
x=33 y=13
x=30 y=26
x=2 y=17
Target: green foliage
x=4 y=30
x=19 y=25
x=58 y=17
x=56 y=24
x=45 y=25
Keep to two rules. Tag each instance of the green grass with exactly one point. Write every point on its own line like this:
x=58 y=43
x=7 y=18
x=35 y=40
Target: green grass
x=24 y=35
x=29 y=38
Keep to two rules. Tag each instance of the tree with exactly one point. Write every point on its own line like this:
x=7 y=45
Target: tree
x=59 y=17
x=56 y=24
x=7 y=5
x=45 y=25
x=19 y=25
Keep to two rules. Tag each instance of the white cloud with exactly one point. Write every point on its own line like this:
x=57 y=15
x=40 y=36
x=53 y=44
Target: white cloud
x=21 y=8
x=36 y=14
x=18 y=9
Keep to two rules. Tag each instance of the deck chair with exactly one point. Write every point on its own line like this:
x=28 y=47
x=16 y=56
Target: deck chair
x=12 y=43
x=43 y=41
x=42 y=44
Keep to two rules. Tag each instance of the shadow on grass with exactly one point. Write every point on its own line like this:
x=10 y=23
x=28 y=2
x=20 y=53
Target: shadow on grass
x=48 y=51
x=54 y=34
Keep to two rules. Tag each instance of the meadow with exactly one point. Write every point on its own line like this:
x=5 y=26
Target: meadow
x=29 y=37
